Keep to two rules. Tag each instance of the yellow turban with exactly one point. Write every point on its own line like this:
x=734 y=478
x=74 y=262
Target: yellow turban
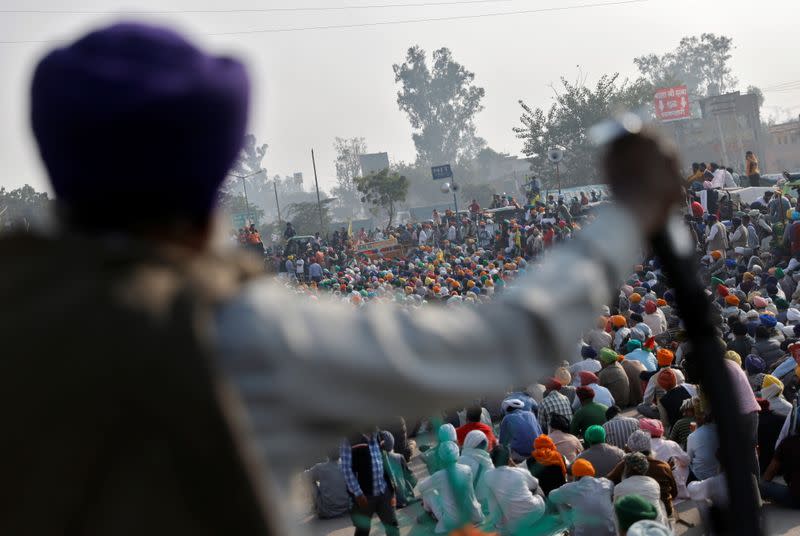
x=734 y=356
x=769 y=379
x=563 y=375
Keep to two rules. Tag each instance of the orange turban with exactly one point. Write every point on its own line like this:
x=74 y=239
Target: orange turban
x=581 y=467
x=635 y=297
x=667 y=379
x=661 y=302
x=716 y=254
x=618 y=321
x=664 y=357
x=545 y=453
x=730 y=299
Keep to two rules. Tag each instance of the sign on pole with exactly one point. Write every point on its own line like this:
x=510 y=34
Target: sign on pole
x=239 y=220
x=672 y=103
x=441 y=172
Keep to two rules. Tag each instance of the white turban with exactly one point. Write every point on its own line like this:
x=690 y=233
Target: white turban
x=512 y=403
x=647 y=527
x=793 y=315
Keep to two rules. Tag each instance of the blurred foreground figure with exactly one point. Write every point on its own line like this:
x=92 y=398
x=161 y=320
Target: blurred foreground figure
x=141 y=371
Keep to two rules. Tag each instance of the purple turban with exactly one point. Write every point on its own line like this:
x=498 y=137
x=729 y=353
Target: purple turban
x=134 y=122
x=753 y=364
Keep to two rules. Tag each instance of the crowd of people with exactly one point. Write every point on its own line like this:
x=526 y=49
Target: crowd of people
x=448 y=258
x=620 y=431
x=607 y=430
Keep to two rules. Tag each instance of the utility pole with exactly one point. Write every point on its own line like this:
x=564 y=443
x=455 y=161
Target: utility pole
x=454 y=187
x=246 y=202
x=558 y=178
x=277 y=204
x=244 y=187
x=316 y=185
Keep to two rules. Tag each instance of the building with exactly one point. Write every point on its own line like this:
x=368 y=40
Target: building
x=729 y=126
x=783 y=151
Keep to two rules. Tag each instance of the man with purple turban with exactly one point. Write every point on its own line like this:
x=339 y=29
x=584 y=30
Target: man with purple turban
x=141 y=369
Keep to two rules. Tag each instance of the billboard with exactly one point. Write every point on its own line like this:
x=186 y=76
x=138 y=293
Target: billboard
x=373 y=162
x=672 y=103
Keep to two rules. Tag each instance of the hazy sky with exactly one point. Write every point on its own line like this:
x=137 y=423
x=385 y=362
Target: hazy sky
x=310 y=86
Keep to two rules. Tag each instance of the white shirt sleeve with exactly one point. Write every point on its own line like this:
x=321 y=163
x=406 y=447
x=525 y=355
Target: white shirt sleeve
x=313 y=370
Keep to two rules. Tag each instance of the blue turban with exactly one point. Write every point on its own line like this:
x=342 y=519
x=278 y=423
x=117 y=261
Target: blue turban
x=768 y=321
x=587 y=352
x=730 y=263
x=134 y=122
x=753 y=364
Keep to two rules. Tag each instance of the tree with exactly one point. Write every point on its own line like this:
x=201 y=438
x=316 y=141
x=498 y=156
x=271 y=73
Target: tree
x=699 y=62
x=23 y=206
x=441 y=105
x=248 y=171
x=348 y=167
x=382 y=190
x=755 y=90
x=576 y=109
x=250 y=158
x=305 y=216
x=235 y=204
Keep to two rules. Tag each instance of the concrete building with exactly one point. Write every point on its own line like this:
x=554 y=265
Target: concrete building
x=783 y=151
x=729 y=126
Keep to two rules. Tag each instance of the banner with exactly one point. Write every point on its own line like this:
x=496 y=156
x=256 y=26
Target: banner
x=672 y=103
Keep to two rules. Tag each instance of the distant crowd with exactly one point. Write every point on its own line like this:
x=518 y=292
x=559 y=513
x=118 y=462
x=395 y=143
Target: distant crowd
x=620 y=431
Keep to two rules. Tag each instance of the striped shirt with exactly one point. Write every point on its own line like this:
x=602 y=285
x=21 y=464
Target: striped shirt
x=346 y=463
x=553 y=403
x=619 y=429
x=681 y=430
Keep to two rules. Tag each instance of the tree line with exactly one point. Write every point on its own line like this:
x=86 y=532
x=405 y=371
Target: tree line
x=441 y=100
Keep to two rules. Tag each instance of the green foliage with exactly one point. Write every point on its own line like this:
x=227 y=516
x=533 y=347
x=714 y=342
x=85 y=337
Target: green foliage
x=441 y=104
x=235 y=204
x=382 y=190
x=348 y=167
x=304 y=216
x=576 y=109
x=755 y=90
x=22 y=206
x=702 y=63
x=251 y=157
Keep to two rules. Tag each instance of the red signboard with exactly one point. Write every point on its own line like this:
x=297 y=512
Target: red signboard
x=672 y=103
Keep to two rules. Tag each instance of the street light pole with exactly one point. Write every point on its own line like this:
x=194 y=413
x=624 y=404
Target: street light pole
x=246 y=202
x=558 y=178
x=244 y=187
x=454 y=187
x=316 y=185
x=275 y=187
